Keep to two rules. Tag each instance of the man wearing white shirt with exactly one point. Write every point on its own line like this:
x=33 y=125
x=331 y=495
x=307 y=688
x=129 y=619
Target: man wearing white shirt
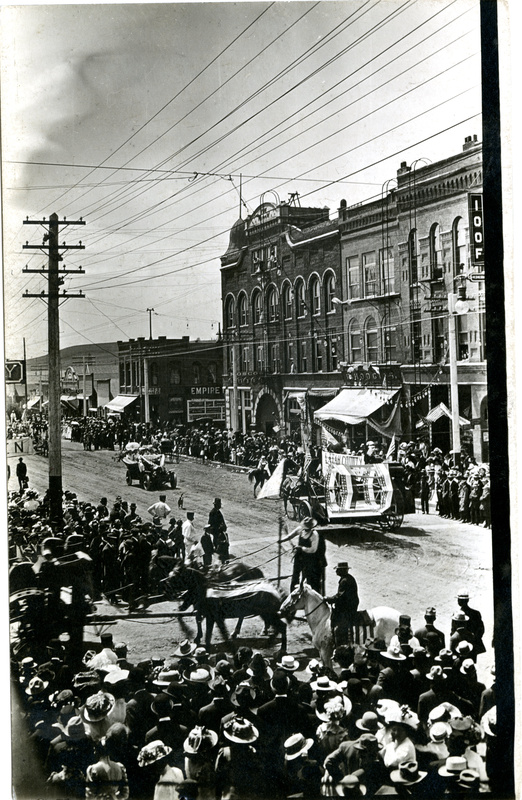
x=160 y=509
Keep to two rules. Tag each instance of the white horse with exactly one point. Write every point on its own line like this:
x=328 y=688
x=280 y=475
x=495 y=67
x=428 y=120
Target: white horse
x=379 y=622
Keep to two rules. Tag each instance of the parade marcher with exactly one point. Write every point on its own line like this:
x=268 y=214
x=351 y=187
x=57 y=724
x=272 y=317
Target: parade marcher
x=308 y=564
x=344 y=606
x=218 y=530
x=208 y=546
x=190 y=536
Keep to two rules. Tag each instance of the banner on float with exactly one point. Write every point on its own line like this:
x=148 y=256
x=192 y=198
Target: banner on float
x=20 y=447
x=354 y=488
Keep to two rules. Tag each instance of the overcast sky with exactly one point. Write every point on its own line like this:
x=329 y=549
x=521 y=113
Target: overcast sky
x=141 y=118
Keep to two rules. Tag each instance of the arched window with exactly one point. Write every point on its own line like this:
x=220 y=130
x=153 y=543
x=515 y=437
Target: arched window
x=355 y=342
x=371 y=341
x=175 y=374
x=300 y=298
x=243 y=310
x=459 y=246
x=256 y=306
x=435 y=253
x=230 y=312
x=315 y=293
x=329 y=292
x=212 y=372
x=272 y=304
x=287 y=301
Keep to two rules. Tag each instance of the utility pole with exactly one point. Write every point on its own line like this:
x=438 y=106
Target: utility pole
x=55 y=277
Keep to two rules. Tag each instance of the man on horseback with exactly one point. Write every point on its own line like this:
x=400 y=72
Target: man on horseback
x=344 y=606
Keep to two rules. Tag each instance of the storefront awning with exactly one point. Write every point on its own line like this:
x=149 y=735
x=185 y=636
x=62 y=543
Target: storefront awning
x=121 y=402
x=34 y=402
x=353 y=406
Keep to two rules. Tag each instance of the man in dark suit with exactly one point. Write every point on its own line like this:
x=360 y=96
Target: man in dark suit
x=474 y=622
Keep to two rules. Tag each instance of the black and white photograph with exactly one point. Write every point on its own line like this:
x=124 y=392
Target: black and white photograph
x=259 y=322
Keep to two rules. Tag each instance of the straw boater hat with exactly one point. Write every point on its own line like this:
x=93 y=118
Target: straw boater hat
x=98 y=706
x=152 y=752
x=324 y=684
x=199 y=675
x=408 y=773
x=200 y=739
x=453 y=766
x=166 y=677
x=288 y=663
x=296 y=745
x=240 y=730
x=439 y=732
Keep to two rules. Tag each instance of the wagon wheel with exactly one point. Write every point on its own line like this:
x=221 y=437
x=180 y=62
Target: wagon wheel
x=146 y=481
x=128 y=479
x=302 y=510
x=393 y=518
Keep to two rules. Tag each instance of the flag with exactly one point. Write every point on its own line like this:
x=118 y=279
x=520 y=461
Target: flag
x=391 y=449
x=272 y=487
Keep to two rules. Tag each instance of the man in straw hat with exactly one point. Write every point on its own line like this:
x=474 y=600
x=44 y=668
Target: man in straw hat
x=344 y=605
x=309 y=558
x=303 y=774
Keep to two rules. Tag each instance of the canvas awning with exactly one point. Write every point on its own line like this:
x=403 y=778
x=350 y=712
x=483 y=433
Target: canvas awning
x=442 y=410
x=353 y=406
x=121 y=402
x=34 y=402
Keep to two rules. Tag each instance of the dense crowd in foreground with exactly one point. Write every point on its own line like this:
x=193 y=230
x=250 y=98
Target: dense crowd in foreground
x=409 y=717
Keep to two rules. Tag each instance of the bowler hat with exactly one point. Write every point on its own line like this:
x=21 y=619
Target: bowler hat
x=369 y=722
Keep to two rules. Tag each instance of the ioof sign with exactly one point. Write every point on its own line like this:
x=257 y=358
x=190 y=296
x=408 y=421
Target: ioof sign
x=476 y=229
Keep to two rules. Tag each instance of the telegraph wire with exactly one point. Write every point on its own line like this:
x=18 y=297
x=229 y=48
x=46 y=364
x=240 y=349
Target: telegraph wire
x=148 y=121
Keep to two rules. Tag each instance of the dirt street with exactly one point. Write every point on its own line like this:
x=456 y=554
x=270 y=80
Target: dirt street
x=425 y=563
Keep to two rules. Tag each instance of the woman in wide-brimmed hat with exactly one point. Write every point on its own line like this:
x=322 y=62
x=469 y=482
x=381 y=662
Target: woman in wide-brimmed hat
x=237 y=764
x=401 y=724
x=159 y=778
x=199 y=749
x=95 y=714
x=332 y=731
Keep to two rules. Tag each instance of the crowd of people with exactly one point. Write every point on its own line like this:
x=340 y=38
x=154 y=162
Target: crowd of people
x=408 y=717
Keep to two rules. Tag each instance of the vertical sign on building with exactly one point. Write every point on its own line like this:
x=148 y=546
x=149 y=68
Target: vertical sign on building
x=476 y=230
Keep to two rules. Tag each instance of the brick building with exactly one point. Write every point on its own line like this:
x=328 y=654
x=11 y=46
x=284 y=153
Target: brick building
x=313 y=305
x=181 y=379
